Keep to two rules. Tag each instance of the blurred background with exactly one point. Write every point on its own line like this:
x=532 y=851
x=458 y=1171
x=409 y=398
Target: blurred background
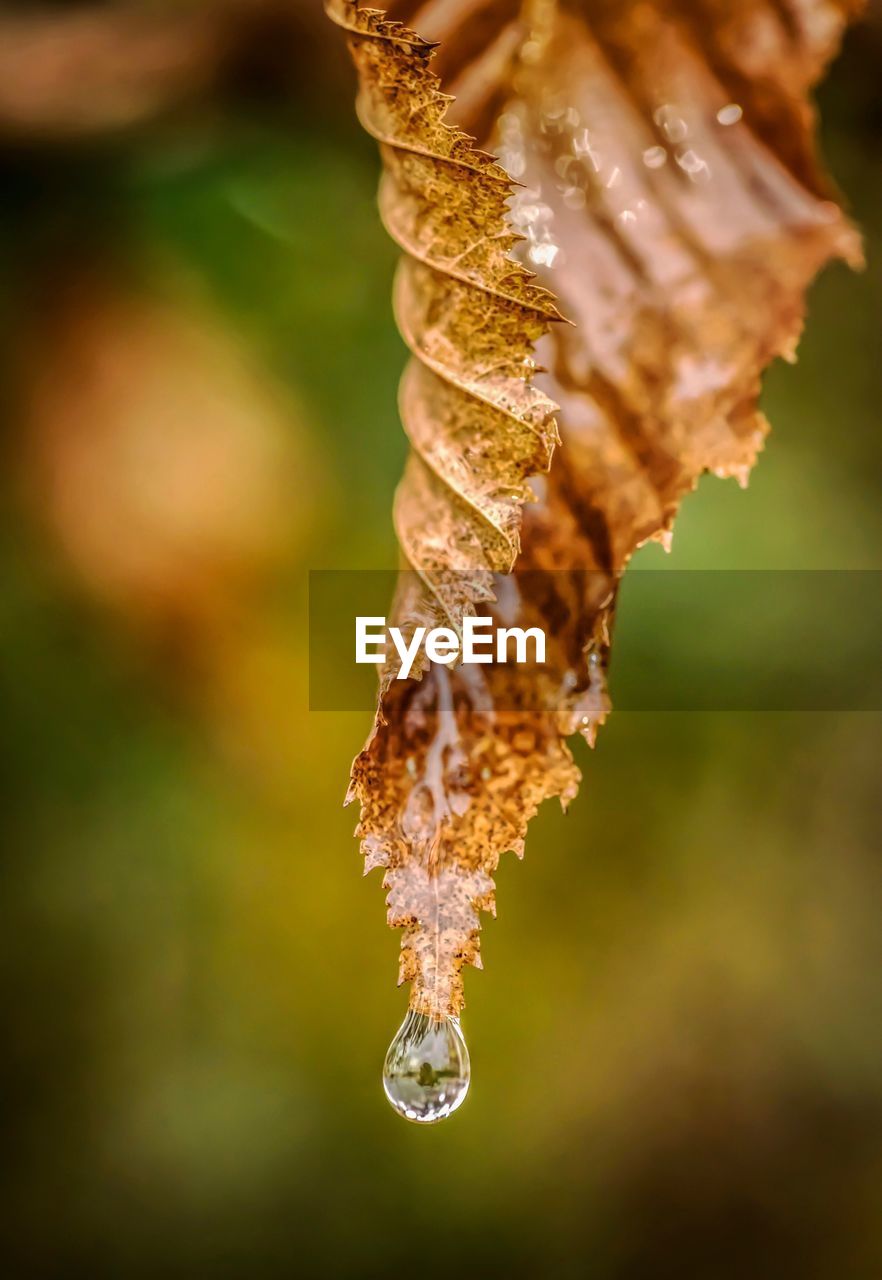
x=677 y=1066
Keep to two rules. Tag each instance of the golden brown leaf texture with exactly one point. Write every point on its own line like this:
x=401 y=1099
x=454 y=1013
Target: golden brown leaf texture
x=670 y=197
x=470 y=314
x=478 y=430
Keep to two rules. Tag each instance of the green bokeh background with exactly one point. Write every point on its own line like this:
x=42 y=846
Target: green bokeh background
x=676 y=1038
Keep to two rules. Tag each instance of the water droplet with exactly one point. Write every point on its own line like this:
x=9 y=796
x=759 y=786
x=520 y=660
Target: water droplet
x=654 y=157
x=730 y=114
x=581 y=143
x=426 y=1072
x=544 y=253
x=671 y=123
x=691 y=163
x=513 y=161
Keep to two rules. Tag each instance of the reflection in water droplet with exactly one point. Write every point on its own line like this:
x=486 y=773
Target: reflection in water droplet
x=426 y=1072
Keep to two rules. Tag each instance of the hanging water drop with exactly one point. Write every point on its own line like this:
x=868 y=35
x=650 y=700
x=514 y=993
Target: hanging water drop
x=426 y=1072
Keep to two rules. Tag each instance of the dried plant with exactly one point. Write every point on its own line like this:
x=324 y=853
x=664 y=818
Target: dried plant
x=670 y=199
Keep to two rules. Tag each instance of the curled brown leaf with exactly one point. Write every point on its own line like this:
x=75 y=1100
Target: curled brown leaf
x=670 y=197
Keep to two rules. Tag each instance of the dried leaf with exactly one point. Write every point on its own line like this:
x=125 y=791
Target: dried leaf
x=670 y=196
x=470 y=313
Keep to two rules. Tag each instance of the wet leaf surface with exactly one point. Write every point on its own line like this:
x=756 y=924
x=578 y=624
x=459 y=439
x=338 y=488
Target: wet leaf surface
x=670 y=198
